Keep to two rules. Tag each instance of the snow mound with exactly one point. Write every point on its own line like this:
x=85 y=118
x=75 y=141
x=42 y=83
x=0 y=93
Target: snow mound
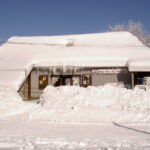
x=103 y=104
x=11 y=103
x=94 y=104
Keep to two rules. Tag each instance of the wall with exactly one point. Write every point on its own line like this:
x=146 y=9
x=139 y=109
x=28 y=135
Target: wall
x=24 y=89
x=98 y=78
x=35 y=91
x=119 y=79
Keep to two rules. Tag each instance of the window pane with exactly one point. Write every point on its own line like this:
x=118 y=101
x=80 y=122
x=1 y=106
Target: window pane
x=43 y=81
x=76 y=80
x=86 y=80
x=56 y=81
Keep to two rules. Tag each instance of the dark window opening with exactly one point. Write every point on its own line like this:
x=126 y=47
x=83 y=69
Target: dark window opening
x=141 y=77
x=86 y=80
x=66 y=80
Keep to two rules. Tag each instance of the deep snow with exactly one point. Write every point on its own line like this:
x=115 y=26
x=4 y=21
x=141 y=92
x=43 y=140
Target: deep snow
x=37 y=135
x=103 y=104
x=72 y=117
x=11 y=103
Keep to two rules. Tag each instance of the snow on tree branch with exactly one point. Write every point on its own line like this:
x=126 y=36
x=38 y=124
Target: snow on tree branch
x=136 y=28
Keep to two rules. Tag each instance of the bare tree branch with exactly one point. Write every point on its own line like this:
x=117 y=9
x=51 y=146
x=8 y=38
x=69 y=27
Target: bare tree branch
x=136 y=28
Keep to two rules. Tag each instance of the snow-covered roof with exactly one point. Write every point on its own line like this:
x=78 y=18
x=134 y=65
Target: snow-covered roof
x=100 y=49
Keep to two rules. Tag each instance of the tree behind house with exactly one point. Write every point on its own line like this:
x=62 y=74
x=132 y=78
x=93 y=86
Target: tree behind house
x=136 y=28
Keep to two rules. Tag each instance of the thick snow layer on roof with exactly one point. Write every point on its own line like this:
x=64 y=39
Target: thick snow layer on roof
x=97 y=39
x=19 y=54
x=140 y=64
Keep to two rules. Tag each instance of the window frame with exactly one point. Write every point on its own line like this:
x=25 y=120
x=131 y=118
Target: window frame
x=46 y=81
x=90 y=80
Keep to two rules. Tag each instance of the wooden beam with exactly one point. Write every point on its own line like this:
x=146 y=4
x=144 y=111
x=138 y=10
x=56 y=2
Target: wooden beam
x=132 y=80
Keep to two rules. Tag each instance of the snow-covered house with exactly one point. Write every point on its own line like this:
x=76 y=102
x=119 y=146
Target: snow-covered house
x=29 y=64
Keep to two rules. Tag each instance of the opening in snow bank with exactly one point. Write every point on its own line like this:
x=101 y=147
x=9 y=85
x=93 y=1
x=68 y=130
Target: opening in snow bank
x=93 y=104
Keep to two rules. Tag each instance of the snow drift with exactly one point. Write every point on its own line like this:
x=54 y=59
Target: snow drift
x=11 y=103
x=94 y=105
x=73 y=104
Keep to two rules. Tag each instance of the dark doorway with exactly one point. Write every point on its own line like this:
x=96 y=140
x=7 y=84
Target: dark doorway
x=140 y=77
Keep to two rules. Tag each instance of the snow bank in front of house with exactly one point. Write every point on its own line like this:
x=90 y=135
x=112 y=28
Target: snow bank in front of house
x=103 y=104
x=11 y=103
x=94 y=105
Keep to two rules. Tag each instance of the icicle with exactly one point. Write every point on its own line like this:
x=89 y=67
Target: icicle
x=54 y=70
x=64 y=69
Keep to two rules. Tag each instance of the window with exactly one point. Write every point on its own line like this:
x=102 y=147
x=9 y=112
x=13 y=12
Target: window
x=76 y=80
x=59 y=80
x=56 y=80
x=43 y=81
x=86 y=80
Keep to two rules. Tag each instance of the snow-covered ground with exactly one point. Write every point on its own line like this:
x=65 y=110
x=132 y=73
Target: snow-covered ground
x=72 y=117
x=11 y=103
x=47 y=136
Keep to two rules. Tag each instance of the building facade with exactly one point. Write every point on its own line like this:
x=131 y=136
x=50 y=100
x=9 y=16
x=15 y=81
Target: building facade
x=40 y=77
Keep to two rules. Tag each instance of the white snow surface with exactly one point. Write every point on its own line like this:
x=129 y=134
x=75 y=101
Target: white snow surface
x=103 y=104
x=95 y=39
x=73 y=117
x=11 y=103
x=19 y=54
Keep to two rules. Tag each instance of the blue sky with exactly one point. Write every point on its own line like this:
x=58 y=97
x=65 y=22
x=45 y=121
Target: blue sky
x=56 y=17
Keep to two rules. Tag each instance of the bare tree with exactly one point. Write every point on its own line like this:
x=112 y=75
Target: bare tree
x=136 y=28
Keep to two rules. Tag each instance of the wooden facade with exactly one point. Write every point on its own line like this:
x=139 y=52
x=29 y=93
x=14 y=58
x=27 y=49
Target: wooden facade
x=40 y=77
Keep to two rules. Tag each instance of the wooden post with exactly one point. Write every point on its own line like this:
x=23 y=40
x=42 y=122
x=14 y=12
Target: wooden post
x=26 y=86
x=29 y=86
x=132 y=80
